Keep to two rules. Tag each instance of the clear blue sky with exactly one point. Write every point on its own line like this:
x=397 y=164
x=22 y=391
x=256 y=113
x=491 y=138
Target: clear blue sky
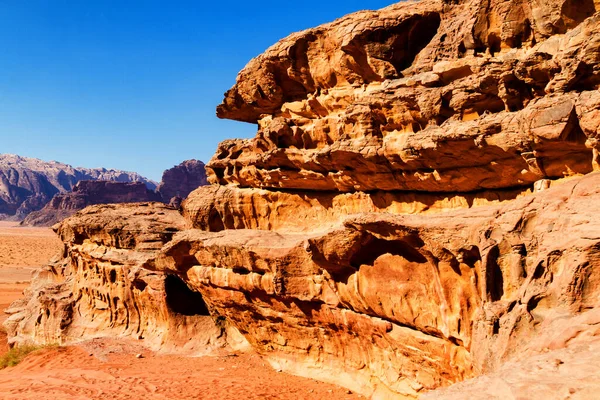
x=133 y=84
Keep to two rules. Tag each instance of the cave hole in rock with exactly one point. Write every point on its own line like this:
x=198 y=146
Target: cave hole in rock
x=215 y=222
x=112 y=276
x=573 y=132
x=139 y=284
x=422 y=32
x=526 y=35
x=494 y=277
x=576 y=11
x=470 y=255
x=399 y=45
x=496 y=327
x=462 y=50
x=375 y=247
x=223 y=154
x=446 y=112
x=494 y=44
x=586 y=78
x=182 y=300
x=219 y=172
x=517 y=95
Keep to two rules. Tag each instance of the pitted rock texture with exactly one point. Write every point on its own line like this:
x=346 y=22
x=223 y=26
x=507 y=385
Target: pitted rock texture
x=28 y=184
x=215 y=208
x=407 y=303
x=564 y=368
x=103 y=286
x=432 y=96
x=87 y=193
x=407 y=114
x=418 y=208
x=178 y=182
x=391 y=306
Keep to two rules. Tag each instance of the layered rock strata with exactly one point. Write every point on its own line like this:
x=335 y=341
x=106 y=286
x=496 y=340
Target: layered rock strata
x=418 y=206
x=407 y=303
x=482 y=105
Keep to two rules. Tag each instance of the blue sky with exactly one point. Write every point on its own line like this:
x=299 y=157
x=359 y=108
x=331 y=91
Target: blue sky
x=132 y=84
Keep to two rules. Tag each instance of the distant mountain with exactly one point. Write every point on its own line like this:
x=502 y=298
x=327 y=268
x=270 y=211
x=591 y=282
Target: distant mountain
x=87 y=193
x=181 y=180
x=176 y=184
x=28 y=184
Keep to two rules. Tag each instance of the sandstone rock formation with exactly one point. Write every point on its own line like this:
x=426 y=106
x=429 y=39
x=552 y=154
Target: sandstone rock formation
x=87 y=193
x=103 y=288
x=178 y=182
x=408 y=303
x=417 y=209
x=28 y=184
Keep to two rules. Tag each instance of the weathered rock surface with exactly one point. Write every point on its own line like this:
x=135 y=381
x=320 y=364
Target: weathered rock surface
x=178 y=182
x=28 y=184
x=103 y=288
x=432 y=96
x=407 y=303
x=382 y=303
x=214 y=208
x=568 y=371
x=417 y=209
x=87 y=193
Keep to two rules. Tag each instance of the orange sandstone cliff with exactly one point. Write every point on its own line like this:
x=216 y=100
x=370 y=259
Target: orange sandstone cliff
x=418 y=208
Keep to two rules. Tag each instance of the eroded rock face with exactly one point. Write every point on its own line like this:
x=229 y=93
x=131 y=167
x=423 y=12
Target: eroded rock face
x=419 y=109
x=103 y=286
x=417 y=209
x=215 y=208
x=483 y=104
x=405 y=304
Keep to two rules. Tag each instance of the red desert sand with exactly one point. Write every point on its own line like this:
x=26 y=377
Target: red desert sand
x=103 y=369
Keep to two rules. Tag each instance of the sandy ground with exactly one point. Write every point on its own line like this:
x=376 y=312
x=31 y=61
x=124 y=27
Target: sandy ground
x=24 y=247
x=110 y=369
x=9 y=292
x=21 y=251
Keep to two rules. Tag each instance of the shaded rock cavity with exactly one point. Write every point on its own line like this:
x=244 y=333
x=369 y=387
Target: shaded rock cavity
x=181 y=299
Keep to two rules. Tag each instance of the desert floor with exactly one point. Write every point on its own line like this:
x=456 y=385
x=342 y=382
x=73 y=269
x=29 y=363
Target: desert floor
x=21 y=251
x=110 y=369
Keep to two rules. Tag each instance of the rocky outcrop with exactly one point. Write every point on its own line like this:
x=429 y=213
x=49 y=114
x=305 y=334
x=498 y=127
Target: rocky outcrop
x=385 y=304
x=87 y=193
x=28 y=184
x=430 y=96
x=178 y=182
x=417 y=209
x=104 y=288
x=408 y=303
